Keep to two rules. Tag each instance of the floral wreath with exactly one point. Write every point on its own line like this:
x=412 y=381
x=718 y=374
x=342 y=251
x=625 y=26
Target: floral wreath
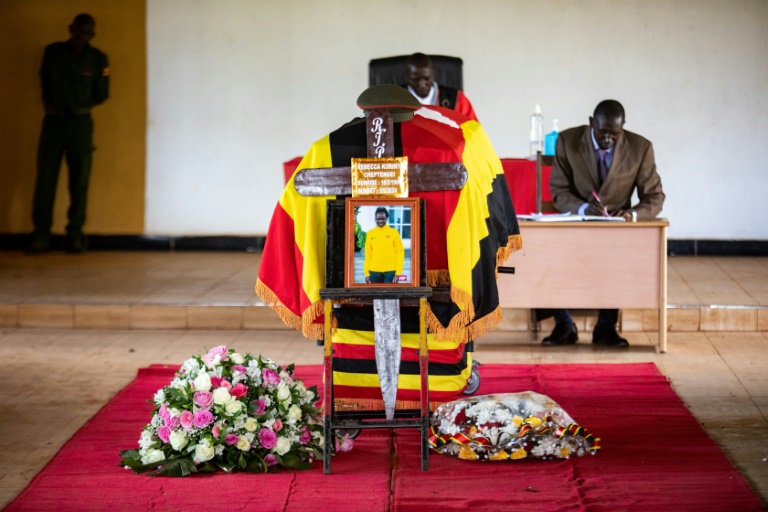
x=228 y=411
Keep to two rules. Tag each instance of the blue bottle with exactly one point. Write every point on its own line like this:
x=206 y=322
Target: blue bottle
x=550 y=139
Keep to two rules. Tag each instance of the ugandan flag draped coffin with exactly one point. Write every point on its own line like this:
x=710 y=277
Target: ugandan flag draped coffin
x=469 y=233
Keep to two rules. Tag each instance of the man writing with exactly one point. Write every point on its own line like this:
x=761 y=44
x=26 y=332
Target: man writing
x=74 y=78
x=597 y=168
x=420 y=80
x=384 y=253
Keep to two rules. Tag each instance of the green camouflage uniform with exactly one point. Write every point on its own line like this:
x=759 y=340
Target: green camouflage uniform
x=71 y=87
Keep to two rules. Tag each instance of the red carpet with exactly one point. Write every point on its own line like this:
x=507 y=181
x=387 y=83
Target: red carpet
x=654 y=456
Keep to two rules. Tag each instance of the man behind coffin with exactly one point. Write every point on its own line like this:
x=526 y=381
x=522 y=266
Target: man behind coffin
x=469 y=233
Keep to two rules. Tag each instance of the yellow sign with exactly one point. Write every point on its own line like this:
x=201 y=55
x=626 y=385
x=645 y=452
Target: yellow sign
x=380 y=177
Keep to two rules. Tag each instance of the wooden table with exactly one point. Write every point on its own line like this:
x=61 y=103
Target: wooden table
x=590 y=265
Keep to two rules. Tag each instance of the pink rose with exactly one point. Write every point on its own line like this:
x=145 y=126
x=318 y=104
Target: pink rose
x=171 y=421
x=231 y=439
x=215 y=381
x=239 y=390
x=270 y=376
x=216 y=430
x=345 y=445
x=267 y=438
x=203 y=418
x=239 y=368
x=164 y=433
x=261 y=406
x=305 y=436
x=277 y=425
x=163 y=412
x=220 y=351
x=225 y=384
x=270 y=460
x=186 y=419
x=203 y=399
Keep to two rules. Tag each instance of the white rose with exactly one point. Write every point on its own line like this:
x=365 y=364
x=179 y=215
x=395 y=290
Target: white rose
x=243 y=444
x=203 y=382
x=236 y=358
x=283 y=446
x=250 y=424
x=221 y=396
x=145 y=441
x=190 y=366
x=204 y=452
x=283 y=392
x=153 y=456
x=178 y=440
x=294 y=414
x=233 y=407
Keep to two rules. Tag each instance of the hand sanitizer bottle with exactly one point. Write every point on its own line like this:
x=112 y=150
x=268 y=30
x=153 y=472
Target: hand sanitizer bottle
x=537 y=132
x=551 y=139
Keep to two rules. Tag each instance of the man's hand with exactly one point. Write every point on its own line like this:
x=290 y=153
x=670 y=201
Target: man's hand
x=595 y=207
x=627 y=214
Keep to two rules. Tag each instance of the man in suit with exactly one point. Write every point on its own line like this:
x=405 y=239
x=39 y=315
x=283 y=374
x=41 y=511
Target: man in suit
x=597 y=168
x=420 y=81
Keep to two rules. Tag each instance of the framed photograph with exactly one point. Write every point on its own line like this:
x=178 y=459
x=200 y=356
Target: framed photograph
x=382 y=244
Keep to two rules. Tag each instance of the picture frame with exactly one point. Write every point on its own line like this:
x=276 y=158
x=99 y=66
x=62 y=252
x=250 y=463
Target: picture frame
x=363 y=236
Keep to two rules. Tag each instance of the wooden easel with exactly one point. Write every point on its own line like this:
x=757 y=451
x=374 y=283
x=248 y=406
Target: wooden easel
x=337 y=181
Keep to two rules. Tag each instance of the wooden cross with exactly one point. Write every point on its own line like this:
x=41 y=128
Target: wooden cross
x=421 y=178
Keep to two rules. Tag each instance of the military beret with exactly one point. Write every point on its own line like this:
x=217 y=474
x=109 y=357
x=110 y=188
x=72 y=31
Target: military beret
x=397 y=100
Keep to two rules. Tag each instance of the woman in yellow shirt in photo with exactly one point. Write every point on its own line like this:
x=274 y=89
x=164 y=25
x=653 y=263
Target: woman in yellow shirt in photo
x=384 y=253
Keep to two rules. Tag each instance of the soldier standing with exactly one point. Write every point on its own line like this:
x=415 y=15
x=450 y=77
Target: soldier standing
x=75 y=78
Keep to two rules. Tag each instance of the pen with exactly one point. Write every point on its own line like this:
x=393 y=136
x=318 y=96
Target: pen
x=605 y=212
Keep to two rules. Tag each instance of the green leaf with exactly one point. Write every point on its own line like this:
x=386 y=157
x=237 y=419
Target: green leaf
x=293 y=461
x=131 y=458
x=181 y=466
x=257 y=465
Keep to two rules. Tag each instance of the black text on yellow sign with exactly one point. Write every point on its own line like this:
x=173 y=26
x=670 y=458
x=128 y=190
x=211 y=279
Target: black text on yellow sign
x=380 y=177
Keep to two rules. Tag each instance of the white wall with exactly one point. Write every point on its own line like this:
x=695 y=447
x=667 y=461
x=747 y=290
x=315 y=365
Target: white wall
x=236 y=87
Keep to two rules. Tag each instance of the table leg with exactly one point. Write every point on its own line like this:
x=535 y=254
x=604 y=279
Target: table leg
x=424 y=383
x=327 y=389
x=663 y=289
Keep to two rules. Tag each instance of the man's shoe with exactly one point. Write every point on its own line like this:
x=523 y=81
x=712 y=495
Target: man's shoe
x=606 y=335
x=562 y=334
x=39 y=245
x=75 y=245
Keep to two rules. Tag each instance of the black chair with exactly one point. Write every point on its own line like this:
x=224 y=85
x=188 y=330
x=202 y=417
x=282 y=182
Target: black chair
x=391 y=70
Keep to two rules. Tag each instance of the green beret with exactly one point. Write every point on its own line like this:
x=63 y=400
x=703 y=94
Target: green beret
x=397 y=100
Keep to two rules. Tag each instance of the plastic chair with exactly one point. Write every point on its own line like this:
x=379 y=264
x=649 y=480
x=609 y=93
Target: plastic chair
x=541 y=161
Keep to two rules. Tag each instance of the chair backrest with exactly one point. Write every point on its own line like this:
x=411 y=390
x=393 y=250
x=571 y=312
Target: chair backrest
x=391 y=70
x=541 y=161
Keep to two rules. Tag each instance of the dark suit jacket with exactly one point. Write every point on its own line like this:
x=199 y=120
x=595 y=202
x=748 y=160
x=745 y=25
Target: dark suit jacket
x=574 y=174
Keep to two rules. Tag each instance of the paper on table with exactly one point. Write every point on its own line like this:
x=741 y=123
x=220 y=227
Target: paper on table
x=568 y=217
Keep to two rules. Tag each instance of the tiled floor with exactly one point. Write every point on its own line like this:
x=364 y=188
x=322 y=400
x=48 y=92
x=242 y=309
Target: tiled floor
x=55 y=378
x=214 y=290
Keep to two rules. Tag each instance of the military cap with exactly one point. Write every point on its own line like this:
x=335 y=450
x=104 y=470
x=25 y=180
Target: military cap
x=397 y=100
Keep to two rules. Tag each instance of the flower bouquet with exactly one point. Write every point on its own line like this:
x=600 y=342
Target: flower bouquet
x=228 y=411
x=508 y=426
